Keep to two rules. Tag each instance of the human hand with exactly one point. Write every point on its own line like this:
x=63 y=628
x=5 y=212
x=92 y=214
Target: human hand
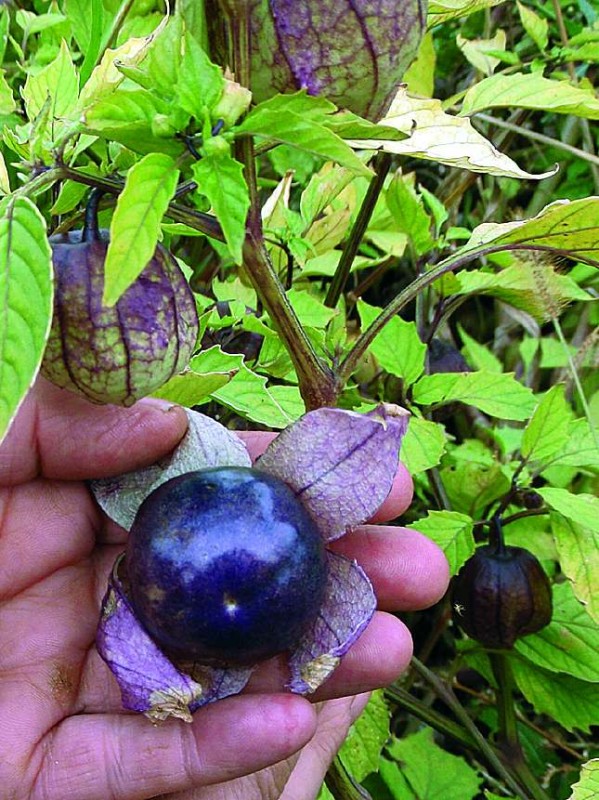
x=64 y=735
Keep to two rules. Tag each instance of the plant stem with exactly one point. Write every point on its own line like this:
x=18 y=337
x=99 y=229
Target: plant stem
x=585 y=127
x=342 y=785
x=317 y=383
x=431 y=717
x=117 y=24
x=460 y=259
x=446 y=694
x=39 y=183
x=540 y=137
x=575 y=378
x=508 y=739
x=205 y=223
x=382 y=164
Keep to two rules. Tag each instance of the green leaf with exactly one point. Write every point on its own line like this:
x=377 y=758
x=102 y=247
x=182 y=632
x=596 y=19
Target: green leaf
x=362 y=748
x=324 y=793
x=572 y=703
x=216 y=360
x=304 y=133
x=409 y=214
x=36 y=23
x=587 y=788
x=139 y=120
x=570 y=643
x=423 y=445
x=547 y=430
x=397 y=348
x=191 y=388
x=8 y=103
x=193 y=15
x=72 y=193
x=135 y=225
x=445 y=10
x=452 y=532
x=200 y=379
x=314 y=107
x=26 y=300
x=580 y=508
x=477 y=355
x=531 y=90
x=472 y=485
x=220 y=178
x=310 y=311
x=578 y=553
x=499 y=395
x=536 y=27
x=431 y=772
x=580 y=449
x=249 y=396
x=197 y=72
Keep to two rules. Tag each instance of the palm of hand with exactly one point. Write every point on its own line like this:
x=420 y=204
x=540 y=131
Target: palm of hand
x=63 y=734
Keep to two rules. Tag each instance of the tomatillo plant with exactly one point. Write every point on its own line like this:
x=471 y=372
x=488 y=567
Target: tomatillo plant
x=214 y=582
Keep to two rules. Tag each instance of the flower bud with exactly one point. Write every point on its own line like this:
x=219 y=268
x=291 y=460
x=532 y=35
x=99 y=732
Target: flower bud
x=121 y=353
x=353 y=53
x=501 y=594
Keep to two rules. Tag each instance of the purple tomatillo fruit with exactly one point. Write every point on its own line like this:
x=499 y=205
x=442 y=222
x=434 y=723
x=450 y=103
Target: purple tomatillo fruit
x=121 y=353
x=353 y=52
x=325 y=474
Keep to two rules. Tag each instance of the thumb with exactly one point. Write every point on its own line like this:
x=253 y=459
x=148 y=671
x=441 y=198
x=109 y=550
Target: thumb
x=60 y=435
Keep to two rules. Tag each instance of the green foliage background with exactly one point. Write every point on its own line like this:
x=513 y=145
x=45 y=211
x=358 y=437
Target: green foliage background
x=488 y=292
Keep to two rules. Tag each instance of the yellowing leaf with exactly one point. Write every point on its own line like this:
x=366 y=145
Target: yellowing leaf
x=436 y=136
x=535 y=26
x=58 y=82
x=566 y=227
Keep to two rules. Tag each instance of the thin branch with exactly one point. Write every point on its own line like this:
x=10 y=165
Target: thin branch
x=541 y=138
x=382 y=164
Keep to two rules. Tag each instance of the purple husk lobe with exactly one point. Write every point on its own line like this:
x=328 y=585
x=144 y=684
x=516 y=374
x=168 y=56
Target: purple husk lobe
x=150 y=682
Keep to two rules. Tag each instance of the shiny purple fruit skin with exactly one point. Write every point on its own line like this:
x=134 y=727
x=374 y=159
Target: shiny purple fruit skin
x=225 y=566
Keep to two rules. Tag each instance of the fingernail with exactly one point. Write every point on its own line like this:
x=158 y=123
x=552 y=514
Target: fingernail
x=159 y=403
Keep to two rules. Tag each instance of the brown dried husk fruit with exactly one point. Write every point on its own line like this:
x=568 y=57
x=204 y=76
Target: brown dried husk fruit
x=500 y=594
